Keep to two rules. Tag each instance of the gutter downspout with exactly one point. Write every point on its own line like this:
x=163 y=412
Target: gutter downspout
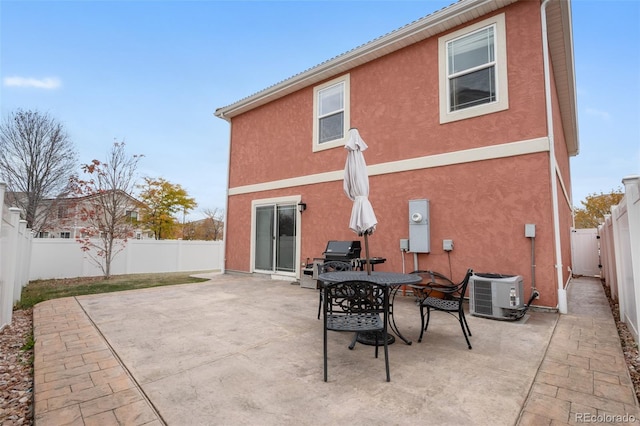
x=226 y=201
x=562 y=292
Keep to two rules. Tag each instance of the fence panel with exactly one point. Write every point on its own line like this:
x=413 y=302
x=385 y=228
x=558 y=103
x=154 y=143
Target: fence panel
x=585 y=252
x=61 y=258
x=6 y=288
x=621 y=237
x=15 y=239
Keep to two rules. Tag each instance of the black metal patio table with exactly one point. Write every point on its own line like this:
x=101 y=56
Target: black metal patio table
x=393 y=280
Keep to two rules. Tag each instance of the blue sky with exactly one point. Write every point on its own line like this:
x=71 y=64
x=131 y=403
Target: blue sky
x=152 y=73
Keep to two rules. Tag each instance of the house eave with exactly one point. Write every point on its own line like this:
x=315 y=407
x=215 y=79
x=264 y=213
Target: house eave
x=560 y=36
x=560 y=44
x=435 y=23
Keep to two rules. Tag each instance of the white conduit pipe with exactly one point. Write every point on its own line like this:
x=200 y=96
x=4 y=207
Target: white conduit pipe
x=562 y=292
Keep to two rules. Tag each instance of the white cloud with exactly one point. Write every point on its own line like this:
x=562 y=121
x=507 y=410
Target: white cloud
x=42 y=83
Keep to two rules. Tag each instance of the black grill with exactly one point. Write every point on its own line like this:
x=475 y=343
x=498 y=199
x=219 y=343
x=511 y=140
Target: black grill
x=342 y=250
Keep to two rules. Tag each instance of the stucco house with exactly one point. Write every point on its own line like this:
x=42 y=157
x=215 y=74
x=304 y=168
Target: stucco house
x=469 y=112
x=65 y=217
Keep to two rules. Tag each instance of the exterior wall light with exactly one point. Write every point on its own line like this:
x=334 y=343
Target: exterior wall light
x=302 y=207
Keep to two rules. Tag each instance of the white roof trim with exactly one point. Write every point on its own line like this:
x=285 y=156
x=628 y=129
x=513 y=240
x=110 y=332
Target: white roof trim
x=560 y=41
x=435 y=23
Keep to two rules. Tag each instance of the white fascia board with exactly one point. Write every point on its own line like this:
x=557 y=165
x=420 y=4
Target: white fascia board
x=442 y=20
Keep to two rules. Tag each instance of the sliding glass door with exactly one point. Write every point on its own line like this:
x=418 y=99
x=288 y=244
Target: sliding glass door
x=275 y=238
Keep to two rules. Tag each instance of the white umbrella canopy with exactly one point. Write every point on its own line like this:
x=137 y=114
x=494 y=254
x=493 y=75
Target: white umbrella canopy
x=356 y=186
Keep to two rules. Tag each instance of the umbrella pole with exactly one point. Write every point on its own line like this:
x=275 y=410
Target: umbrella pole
x=366 y=252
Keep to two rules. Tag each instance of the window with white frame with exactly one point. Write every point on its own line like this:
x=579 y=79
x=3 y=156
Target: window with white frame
x=63 y=211
x=132 y=216
x=473 y=70
x=65 y=234
x=331 y=113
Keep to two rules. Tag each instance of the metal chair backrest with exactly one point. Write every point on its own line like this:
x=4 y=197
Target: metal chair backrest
x=432 y=284
x=335 y=265
x=461 y=288
x=356 y=297
x=357 y=306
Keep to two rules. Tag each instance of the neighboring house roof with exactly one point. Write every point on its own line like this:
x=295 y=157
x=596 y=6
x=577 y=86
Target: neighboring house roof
x=123 y=194
x=22 y=195
x=560 y=38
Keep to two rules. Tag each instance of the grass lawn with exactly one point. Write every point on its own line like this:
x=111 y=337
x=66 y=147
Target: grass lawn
x=41 y=290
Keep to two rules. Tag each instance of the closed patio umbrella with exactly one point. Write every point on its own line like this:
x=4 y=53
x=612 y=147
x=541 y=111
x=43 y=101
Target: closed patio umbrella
x=356 y=187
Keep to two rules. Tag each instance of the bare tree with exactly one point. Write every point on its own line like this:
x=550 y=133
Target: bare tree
x=216 y=216
x=103 y=205
x=210 y=228
x=216 y=227
x=37 y=158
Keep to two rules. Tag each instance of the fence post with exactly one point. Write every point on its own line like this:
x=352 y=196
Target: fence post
x=13 y=255
x=632 y=199
x=6 y=288
x=20 y=260
x=608 y=256
x=27 y=238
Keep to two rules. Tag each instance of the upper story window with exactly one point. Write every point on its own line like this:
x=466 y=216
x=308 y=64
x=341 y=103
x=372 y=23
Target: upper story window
x=331 y=113
x=63 y=212
x=473 y=71
x=471 y=65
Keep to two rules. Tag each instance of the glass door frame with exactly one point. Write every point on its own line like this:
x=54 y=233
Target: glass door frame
x=278 y=201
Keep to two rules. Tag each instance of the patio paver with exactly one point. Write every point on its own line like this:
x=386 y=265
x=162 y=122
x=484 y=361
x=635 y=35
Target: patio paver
x=78 y=379
x=584 y=377
x=187 y=355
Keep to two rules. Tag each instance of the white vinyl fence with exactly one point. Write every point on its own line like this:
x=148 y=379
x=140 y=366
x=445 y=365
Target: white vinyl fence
x=24 y=259
x=63 y=258
x=620 y=253
x=585 y=252
x=15 y=245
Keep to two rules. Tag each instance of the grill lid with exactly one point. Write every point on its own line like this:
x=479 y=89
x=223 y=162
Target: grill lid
x=342 y=250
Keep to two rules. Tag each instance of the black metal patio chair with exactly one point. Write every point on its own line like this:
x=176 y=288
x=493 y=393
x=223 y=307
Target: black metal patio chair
x=433 y=284
x=357 y=306
x=451 y=302
x=330 y=266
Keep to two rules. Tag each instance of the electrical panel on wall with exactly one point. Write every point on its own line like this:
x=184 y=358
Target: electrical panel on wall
x=419 y=226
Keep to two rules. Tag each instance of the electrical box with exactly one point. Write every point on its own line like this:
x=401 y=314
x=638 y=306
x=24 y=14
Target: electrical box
x=447 y=245
x=419 y=226
x=530 y=230
x=404 y=244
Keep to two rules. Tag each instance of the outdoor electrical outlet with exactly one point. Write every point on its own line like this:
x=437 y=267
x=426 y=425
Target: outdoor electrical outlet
x=447 y=245
x=530 y=230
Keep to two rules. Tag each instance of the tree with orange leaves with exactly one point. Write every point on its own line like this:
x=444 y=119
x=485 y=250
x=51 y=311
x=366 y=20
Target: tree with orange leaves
x=595 y=206
x=103 y=200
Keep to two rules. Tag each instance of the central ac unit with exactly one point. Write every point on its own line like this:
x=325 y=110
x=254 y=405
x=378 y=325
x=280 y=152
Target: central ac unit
x=496 y=296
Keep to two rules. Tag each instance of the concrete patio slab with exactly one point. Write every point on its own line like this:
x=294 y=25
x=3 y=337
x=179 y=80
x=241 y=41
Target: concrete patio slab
x=247 y=350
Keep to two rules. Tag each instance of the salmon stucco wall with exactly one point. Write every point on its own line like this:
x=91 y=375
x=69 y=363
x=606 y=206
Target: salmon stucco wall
x=394 y=104
x=482 y=205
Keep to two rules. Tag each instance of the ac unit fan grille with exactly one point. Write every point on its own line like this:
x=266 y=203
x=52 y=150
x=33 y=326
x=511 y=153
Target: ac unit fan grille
x=483 y=303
